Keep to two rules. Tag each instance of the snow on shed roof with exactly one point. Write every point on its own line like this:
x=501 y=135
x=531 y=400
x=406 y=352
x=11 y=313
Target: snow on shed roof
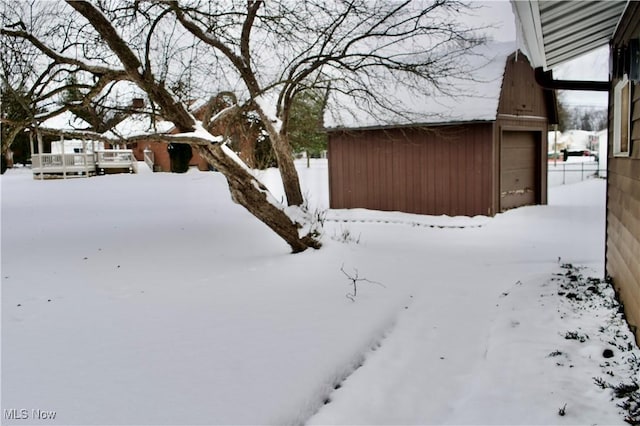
x=476 y=96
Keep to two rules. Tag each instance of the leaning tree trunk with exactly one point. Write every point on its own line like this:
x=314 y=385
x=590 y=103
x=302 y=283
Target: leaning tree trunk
x=284 y=157
x=244 y=188
x=242 y=63
x=252 y=195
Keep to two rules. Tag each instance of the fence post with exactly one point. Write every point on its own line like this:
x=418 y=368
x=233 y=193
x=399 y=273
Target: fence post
x=64 y=158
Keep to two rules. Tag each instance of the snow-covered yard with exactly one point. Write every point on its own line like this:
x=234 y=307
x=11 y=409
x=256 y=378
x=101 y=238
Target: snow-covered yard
x=153 y=299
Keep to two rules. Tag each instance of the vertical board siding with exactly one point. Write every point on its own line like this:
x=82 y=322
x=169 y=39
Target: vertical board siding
x=520 y=94
x=426 y=171
x=523 y=107
x=448 y=169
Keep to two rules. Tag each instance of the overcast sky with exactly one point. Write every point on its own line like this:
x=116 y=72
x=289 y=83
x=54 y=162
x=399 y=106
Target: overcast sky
x=593 y=66
x=495 y=13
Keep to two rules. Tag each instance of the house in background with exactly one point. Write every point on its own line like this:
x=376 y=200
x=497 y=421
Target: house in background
x=69 y=158
x=240 y=132
x=578 y=143
x=554 y=32
x=478 y=153
x=154 y=153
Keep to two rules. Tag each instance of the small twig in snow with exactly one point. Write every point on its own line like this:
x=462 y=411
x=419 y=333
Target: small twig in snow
x=354 y=282
x=563 y=410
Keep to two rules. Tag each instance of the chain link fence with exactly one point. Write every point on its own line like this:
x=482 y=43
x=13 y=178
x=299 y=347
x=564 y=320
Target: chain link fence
x=562 y=173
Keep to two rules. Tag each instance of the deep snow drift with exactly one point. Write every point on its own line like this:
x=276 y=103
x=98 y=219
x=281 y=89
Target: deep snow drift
x=153 y=299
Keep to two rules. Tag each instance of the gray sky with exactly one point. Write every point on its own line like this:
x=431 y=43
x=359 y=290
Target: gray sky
x=593 y=66
x=496 y=13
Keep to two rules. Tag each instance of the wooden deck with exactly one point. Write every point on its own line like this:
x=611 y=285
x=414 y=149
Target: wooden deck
x=82 y=164
x=116 y=159
x=63 y=164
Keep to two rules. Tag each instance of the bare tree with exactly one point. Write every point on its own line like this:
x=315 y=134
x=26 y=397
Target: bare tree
x=279 y=49
x=40 y=88
x=266 y=53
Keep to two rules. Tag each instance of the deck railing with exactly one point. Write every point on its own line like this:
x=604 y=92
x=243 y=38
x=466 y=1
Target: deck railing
x=63 y=163
x=116 y=159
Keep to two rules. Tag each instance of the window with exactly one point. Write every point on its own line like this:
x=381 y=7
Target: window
x=621 y=118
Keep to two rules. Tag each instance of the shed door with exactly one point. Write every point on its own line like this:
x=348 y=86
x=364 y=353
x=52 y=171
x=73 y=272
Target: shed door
x=519 y=169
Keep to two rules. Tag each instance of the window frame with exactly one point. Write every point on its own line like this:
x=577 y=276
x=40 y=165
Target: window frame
x=622 y=118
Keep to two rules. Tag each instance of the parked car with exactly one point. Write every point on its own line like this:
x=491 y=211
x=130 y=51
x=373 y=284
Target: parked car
x=578 y=153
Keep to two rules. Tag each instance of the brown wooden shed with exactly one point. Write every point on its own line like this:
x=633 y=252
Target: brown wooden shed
x=490 y=156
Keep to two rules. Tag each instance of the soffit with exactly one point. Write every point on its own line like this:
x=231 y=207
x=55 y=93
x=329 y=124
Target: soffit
x=557 y=31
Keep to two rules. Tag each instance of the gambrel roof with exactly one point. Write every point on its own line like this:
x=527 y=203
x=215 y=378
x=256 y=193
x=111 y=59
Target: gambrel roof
x=474 y=96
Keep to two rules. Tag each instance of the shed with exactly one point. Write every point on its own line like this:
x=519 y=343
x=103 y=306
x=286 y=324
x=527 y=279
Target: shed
x=479 y=153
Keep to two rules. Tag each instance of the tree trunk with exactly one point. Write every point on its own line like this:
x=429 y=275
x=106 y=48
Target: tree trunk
x=242 y=63
x=245 y=189
x=284 y=157
x=252 y=195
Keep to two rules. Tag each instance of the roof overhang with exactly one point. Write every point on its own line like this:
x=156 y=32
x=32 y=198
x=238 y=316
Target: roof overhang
x=416 y=125
x=554 y=32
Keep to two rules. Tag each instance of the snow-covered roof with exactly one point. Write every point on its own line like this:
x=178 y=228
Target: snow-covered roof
x=71 y=144
x=66 y=121
x=476 y=96
x=139 y=124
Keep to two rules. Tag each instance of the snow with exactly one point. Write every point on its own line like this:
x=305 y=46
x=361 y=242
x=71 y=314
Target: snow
x=574 y=140
x=575 y=169
x=138 y=125
x=603 y=147
x=154 y=299
x=65 y=121
x=578 y=168
x=267 y=102
x=495 y=18
x=74 y=145
x=480 y=86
